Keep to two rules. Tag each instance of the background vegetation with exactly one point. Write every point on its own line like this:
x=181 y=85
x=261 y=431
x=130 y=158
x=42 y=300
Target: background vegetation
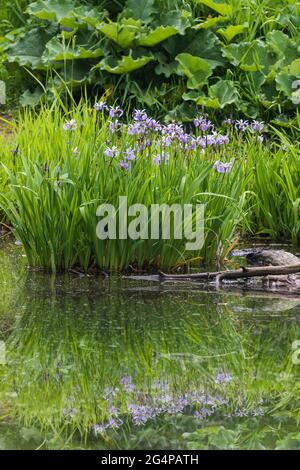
x=226 y=56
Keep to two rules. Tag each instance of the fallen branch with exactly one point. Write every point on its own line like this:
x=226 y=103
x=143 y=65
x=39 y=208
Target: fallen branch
x=218 y=276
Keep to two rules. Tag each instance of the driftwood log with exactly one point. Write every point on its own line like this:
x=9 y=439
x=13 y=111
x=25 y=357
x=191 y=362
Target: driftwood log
x=281 y=274
x=218 y=276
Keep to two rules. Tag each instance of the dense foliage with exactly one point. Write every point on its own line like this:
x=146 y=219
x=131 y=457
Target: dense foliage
x=64 y=166
x=227 y=56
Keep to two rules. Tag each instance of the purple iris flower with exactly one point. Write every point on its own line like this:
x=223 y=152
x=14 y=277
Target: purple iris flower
x=138 y=128
x=241 y=125
x=100 y=106
x=70 y=125
x=130 y=155
x=203 y=123
x=156 y=160
x=140 y=115
x=111 y=152
x=257 y=126
x=153 y=125
x=124 y=165
x=127 y=384
x=142 y=413
x=116 y=112
x=114 y=126
x=223 y=378
x=223 y=167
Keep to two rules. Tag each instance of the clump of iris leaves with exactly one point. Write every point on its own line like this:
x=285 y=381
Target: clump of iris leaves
x=63 y=166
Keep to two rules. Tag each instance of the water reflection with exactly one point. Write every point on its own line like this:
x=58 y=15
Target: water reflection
x=94 y=356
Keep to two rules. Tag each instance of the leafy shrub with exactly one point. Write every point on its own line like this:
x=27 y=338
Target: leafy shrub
x=225 y=56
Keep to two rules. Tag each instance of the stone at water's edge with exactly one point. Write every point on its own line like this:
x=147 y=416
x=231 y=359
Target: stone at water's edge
x=267 y=257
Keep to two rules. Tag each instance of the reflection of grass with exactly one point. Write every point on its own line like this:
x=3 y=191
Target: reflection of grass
x=11 y=275
x=77 y=338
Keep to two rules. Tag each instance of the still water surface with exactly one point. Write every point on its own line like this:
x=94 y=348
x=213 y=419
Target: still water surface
x=116 y=364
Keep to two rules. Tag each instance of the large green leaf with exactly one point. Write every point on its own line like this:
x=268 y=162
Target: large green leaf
x=66 y=13
x=157 y=35
x=202 y=43
x=75 y=73
x=31 y=99
x=141 y=9
x=184 y=112
x=295 y=67
x=225 y=92
x=123 y=33
x=196 y=69
x=166 y=68
x=180 y=19
x=211 y=22
x=220 y=7
x=221 y=94
x=208 y=102
x=284 y=82
x=56 y=50
x=125 y=65
x=51 y=10
x=283 y=46
x=83 y=16
x=29 y=49
x=250 y=56
x=231 y=31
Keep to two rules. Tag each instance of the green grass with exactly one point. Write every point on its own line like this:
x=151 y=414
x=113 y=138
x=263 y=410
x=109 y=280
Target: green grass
x=53 y=211
x=51 y=194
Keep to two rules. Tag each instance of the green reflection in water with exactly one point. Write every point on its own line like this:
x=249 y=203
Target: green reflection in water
x=84 y=354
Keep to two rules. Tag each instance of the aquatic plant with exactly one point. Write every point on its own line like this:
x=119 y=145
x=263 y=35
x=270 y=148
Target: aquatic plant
x=65 y=167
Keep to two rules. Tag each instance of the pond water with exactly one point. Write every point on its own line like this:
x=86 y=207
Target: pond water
x=115 y=364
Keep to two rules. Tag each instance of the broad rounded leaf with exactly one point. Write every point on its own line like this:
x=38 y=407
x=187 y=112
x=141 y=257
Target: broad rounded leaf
x=31 y=99
x=28 y=50
x=157 y=35
x=123 y=33
x=207 y=102
x=283 y=46
x=51 y=10
x=250 y=56
x=191 y=95
x=295 y=67
x=221 y=8
x=57 y=50
x=141 y=9
x=201 y=43
x=211 y=22
x=179 y=19
x=284 y=82
x=166 y=69
x=125 y=65
x=196 y=69
x=224 y=91
x=231 y=31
